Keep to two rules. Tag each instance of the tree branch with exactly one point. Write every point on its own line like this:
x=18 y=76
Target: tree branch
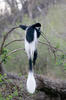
x=52 y=48
x=15 y=51
x=46 y=84
x=51 y=86
x=5 y=37
x=43 y=42
x=12 y=53
x=13 y=41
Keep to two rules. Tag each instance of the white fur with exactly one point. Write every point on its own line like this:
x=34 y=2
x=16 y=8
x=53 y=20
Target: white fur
x=31 y=47
x=31 y=83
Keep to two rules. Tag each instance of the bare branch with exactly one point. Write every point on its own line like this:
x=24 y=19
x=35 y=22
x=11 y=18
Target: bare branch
x=5 y=37
x=43 y=42
x=56 y=49
x=51 y=47
x=15 y=51
x=13 y=41
x=44 y=36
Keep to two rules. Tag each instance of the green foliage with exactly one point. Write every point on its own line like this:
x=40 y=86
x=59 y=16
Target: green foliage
x=1 y=77
x=8 y=96
x=61 y=60
x=1 y=81
x=12 y=95
x=4 y=57
x=15 y=93
x=1 y=97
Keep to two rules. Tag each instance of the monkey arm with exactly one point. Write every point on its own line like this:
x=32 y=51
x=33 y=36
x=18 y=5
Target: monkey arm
x=23 y=27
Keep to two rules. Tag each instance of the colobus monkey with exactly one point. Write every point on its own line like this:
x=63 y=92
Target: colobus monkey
x=31 y=39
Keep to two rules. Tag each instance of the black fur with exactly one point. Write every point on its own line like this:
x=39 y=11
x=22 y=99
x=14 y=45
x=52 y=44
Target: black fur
x=36 y=25
x=30 y=34
x=35 y=57
x=30 y=64
x=24 y=27
x=38 y=32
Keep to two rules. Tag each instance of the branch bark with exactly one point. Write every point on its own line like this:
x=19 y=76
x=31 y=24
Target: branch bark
x=2 y=70
x=52 y=87
x=15 y=51
x=13 y=41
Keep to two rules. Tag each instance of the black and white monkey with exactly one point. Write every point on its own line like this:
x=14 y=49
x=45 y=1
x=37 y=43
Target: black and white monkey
x=31 y=40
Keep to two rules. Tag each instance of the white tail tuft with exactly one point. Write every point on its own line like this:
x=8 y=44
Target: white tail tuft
x=31 y=83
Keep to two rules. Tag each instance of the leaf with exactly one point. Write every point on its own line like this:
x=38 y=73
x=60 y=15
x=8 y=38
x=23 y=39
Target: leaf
x=15 y=93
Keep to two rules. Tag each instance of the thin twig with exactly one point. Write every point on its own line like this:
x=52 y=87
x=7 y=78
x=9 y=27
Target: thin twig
x=13 y=41
x=43 y=42
x=12 y=53
x=15 y=51
x=56 y=49
x=44 y=36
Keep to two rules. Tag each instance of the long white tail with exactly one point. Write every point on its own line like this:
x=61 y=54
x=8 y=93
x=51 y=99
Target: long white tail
x=31 y=83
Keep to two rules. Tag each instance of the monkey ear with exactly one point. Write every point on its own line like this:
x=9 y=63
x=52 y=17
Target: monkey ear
x=36 y=25
x=23 y=27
